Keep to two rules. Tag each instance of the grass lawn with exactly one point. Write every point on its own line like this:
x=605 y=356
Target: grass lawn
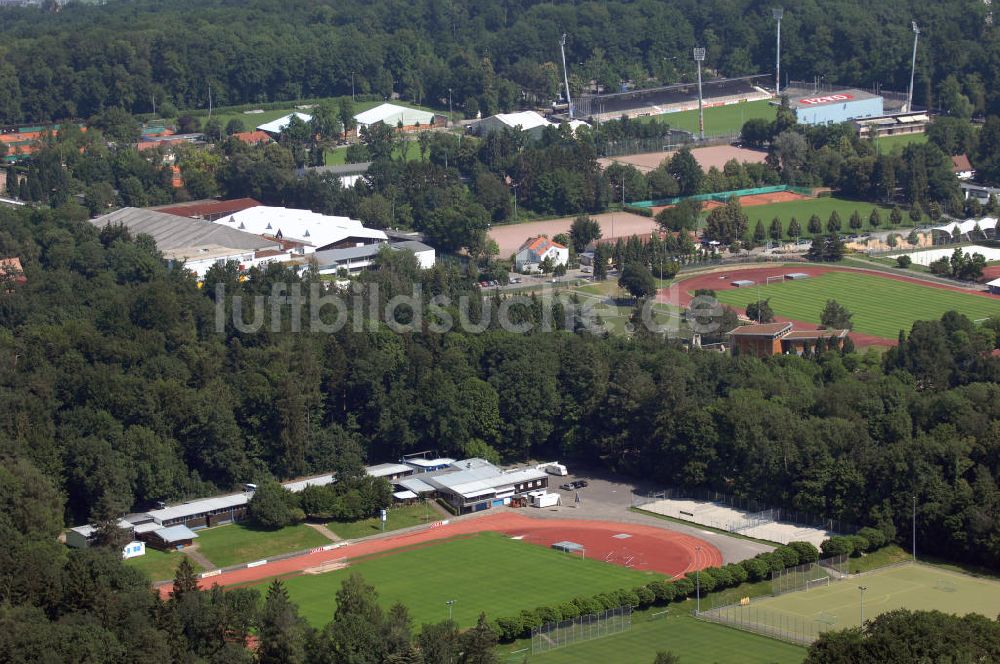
x=890 y=144
x=719 y=120
x=692 y=641
x=338 y=157
x=486 y=572
x=838 y=606
x=160 y=565
x=887 y=555
x=881 y=306
x=238 y=543
x=398 y=517
x=822 y=207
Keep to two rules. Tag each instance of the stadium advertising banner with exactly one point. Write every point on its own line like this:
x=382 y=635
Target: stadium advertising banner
x=828 y=99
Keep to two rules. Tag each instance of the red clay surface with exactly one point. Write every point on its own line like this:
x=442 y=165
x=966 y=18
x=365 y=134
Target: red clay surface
x=761 y=199
x=653 y=549
x=682 y=292
x=990 y=272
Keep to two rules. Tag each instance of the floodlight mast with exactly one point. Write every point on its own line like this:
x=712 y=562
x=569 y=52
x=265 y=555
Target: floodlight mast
x=777 y=13
x=562 y=49
x=913 y=67
x=699 y=57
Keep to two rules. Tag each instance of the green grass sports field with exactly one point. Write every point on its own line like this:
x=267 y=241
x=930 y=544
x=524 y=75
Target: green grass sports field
x=238 y=543
x=719 y=120
x=693 y=641
x=159 y=565
x=838 y=606
x=486 y=572
x=397 y=517
x=822 y=207
x=881 y=306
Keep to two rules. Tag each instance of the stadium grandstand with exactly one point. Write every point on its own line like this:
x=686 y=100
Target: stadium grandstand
x=671 y=98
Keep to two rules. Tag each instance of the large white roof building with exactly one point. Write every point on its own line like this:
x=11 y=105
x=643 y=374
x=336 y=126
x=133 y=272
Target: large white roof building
x=392 y=115
x=310 y=230
x=278 y=126
x=527 y=121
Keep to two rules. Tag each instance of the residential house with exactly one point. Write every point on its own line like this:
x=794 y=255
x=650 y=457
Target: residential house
x=535 y=250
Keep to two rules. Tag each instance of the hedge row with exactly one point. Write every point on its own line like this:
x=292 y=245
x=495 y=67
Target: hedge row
x=661 y=592
x=865 y=540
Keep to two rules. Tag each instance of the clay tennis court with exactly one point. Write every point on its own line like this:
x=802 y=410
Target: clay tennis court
x=760 y=199
x=647 y=548
x=510 y=237
x=715 y=155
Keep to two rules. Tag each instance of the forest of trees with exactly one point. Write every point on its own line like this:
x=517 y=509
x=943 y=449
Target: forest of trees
x=492 y=56
x=115 y=386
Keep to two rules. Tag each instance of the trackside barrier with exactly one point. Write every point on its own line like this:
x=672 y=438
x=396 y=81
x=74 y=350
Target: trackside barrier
x=214 y=572
x=719 y=196
x=256 y=563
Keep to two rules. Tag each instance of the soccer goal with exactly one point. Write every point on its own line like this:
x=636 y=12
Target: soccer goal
x=818 y=583
x=776 y=280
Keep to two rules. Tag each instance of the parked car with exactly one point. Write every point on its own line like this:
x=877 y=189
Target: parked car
x=567 y=487
x=579 y=484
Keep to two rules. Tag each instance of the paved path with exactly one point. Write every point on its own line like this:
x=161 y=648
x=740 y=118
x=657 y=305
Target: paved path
x=324 y=531
x=197 y=556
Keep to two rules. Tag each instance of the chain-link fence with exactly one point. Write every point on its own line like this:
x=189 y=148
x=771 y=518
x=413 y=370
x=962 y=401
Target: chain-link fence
x=809 y=575
x=776 y=624
x=583 y=628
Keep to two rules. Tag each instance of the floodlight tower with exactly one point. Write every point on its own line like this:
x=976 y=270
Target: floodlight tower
x=699 y=57
x=777 y=13
x=562 y=49
x=913 y=67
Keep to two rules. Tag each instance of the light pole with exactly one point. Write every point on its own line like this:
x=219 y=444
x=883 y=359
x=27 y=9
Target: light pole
x=777 y=13
x=914 y=529
x=352 y=86
x=562 y=49
x=699 y=57
x=513 y=185
x=697 y=576
x=449 y=105
x=450 y=604
x=862 y=589
x=913 y=67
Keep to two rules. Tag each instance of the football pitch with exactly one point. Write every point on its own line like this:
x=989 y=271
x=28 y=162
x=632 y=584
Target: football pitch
x=822 y=207
x=838 y=605
x=487 y=572
x=881 y=306
x=719 y=120
x=693 y=641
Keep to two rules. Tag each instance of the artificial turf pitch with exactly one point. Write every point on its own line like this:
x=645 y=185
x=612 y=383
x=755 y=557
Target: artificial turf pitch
x=881 y=306
x=838 y=606
x=486 y=572
x=719 y=120
x=678 y=632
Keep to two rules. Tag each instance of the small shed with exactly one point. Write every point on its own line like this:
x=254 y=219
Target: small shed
x=570 y=547
x=405 y=497
x=174 y=537
x=994 y=286
x=741 y=283
x=796 y=276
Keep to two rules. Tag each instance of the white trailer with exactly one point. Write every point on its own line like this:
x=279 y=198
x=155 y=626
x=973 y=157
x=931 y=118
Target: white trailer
x=553 y=468
x=543 y=499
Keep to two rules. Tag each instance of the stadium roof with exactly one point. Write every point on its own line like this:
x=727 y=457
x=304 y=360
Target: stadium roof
x=404 y=495
x=172 y=233
x=968 y=225
x=304 y=226
x=815 y=334
x=391 y=114
x=319 y=480
x=798 y=98
x=278 y=126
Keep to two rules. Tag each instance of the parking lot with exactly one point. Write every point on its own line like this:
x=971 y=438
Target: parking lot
x=607 y=497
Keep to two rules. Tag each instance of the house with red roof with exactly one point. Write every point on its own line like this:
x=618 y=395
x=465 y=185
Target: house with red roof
x=11 y=272
x=535 y=250
x=255 y=137
x=962 y=167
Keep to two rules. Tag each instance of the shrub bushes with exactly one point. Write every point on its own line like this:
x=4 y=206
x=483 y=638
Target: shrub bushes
x=837 y=545
x=876 y=538
x=664 y=591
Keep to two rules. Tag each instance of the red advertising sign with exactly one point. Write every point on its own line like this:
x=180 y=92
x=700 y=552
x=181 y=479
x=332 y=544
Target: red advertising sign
x=825 y=100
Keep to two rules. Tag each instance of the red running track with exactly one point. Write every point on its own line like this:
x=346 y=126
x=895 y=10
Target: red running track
x=682 y=292
x=647 y=548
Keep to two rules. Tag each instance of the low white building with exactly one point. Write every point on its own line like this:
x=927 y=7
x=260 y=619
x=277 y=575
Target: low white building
x=275 y=127
x=393 y=116
x=307 y=231
x=535 y=250
x=527 y=121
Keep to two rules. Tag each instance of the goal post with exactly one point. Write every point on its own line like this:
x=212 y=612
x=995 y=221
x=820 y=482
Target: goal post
x=778 y=279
